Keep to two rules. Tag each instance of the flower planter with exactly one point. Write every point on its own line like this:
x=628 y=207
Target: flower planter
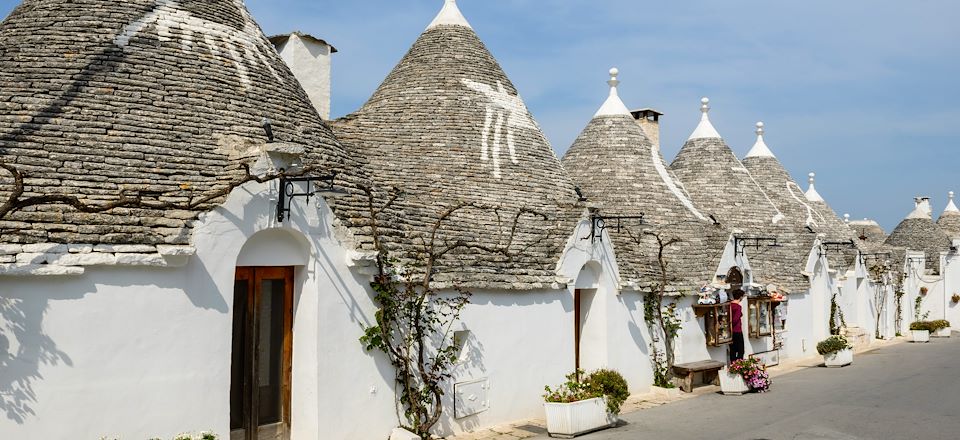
x=732 y=384
x=920 y=335
x=403 y=434
x=839 y=358
x=567 y=420
x=942 y=333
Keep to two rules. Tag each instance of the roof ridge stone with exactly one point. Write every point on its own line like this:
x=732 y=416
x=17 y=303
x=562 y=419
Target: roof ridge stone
x=449 y=15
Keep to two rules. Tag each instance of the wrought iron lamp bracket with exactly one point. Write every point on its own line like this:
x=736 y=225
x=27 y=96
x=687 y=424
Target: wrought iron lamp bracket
x=289 y=190
x=598 y=224
x=741 y=243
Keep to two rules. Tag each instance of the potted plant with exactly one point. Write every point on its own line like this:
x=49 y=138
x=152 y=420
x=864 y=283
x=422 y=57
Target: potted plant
x=744 y=375
x=836 y=351
x=920 y=330
x=584 y=403
x=923 y=290
x=955 y=298
x=940 y=328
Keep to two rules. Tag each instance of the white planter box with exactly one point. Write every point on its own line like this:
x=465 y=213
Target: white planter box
x=732 y=384
x=920 y=335
x=942 y=333
x=566 y=420
x=403 y=434
x=838 y=358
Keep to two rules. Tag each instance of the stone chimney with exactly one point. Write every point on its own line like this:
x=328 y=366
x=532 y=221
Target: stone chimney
x=649 y=121
x=923 y=209
x=309 y=60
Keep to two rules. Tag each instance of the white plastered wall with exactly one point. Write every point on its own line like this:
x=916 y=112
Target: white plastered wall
x=521 y=341
x=147 y=351
x=310 y=62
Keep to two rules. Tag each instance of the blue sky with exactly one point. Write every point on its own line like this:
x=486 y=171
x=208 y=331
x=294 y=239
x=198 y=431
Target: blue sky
x=863 y=92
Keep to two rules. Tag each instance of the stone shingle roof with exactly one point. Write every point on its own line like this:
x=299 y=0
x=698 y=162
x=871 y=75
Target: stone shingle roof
x=157 y=98
x=448 y=128
x=793 y=233
x=919 y=233
x=949 y=220
x=622 y=174
x=868 y=232
x=950 y=224
x=723 y=187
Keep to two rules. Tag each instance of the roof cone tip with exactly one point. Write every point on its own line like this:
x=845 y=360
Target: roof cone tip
x=812 y=194
x=613 y=105
x=450 y=15
x=951 y=205
x=760 y=149
x=705 y=129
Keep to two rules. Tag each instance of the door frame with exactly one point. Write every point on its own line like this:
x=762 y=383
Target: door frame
x=254 y=277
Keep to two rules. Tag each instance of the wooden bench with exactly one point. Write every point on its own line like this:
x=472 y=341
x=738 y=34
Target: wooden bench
x=684 y=372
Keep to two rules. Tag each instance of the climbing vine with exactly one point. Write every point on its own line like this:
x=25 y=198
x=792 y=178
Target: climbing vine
x=414 y=321
x=837 y=320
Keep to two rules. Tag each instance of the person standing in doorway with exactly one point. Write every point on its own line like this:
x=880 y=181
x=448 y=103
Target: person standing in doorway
x=736 y=318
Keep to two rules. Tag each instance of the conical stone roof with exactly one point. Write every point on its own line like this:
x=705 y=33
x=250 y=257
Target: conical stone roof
x=159 y=100
x=449 y=128
x=949 y=220
x=623 y=174
x=780 y=187
x=803 y=219
x=720 y=184
x=918 y=232
x=869 y=233
x=723 y=187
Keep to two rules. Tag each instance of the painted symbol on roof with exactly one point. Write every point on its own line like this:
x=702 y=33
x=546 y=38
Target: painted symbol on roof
x=504 y=113
x=244 y=47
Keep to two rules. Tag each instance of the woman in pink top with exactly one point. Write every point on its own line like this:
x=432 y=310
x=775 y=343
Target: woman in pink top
x=736 y=318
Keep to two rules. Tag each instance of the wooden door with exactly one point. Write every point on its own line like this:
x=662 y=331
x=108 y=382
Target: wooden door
x=262 y=354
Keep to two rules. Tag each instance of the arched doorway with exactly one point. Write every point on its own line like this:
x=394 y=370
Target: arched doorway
x=262 y=350
x=735 y=278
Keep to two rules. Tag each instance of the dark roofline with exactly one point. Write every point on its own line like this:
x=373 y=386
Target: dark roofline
x=646 y=110
x=281 y=38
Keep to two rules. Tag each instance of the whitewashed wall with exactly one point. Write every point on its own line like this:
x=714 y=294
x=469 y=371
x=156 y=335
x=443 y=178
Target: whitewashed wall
x=139 y=352
x=310 y=62
x=951 y=276
x=148 y=350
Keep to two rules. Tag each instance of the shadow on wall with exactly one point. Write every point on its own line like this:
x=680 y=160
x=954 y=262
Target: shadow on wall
x=469 y=367
x=637 y=325
x=24 y=348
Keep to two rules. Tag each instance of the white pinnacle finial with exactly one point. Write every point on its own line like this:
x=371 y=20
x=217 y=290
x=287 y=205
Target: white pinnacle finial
x=846 y=218
x=450 y=15
x=705 y=129
x=951 y=206
x=613 y=105
x=812 y=194
x=614 y=82
x=760 y=149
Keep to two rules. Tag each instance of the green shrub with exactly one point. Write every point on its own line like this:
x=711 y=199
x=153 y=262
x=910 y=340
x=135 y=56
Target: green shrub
x=833 y=344
x=600 y=383
x=573 y=390
x=922 y=325
x=939 y=324
x=612 y=385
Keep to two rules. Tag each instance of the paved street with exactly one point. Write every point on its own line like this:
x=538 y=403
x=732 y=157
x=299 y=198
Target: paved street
x=904 y=391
